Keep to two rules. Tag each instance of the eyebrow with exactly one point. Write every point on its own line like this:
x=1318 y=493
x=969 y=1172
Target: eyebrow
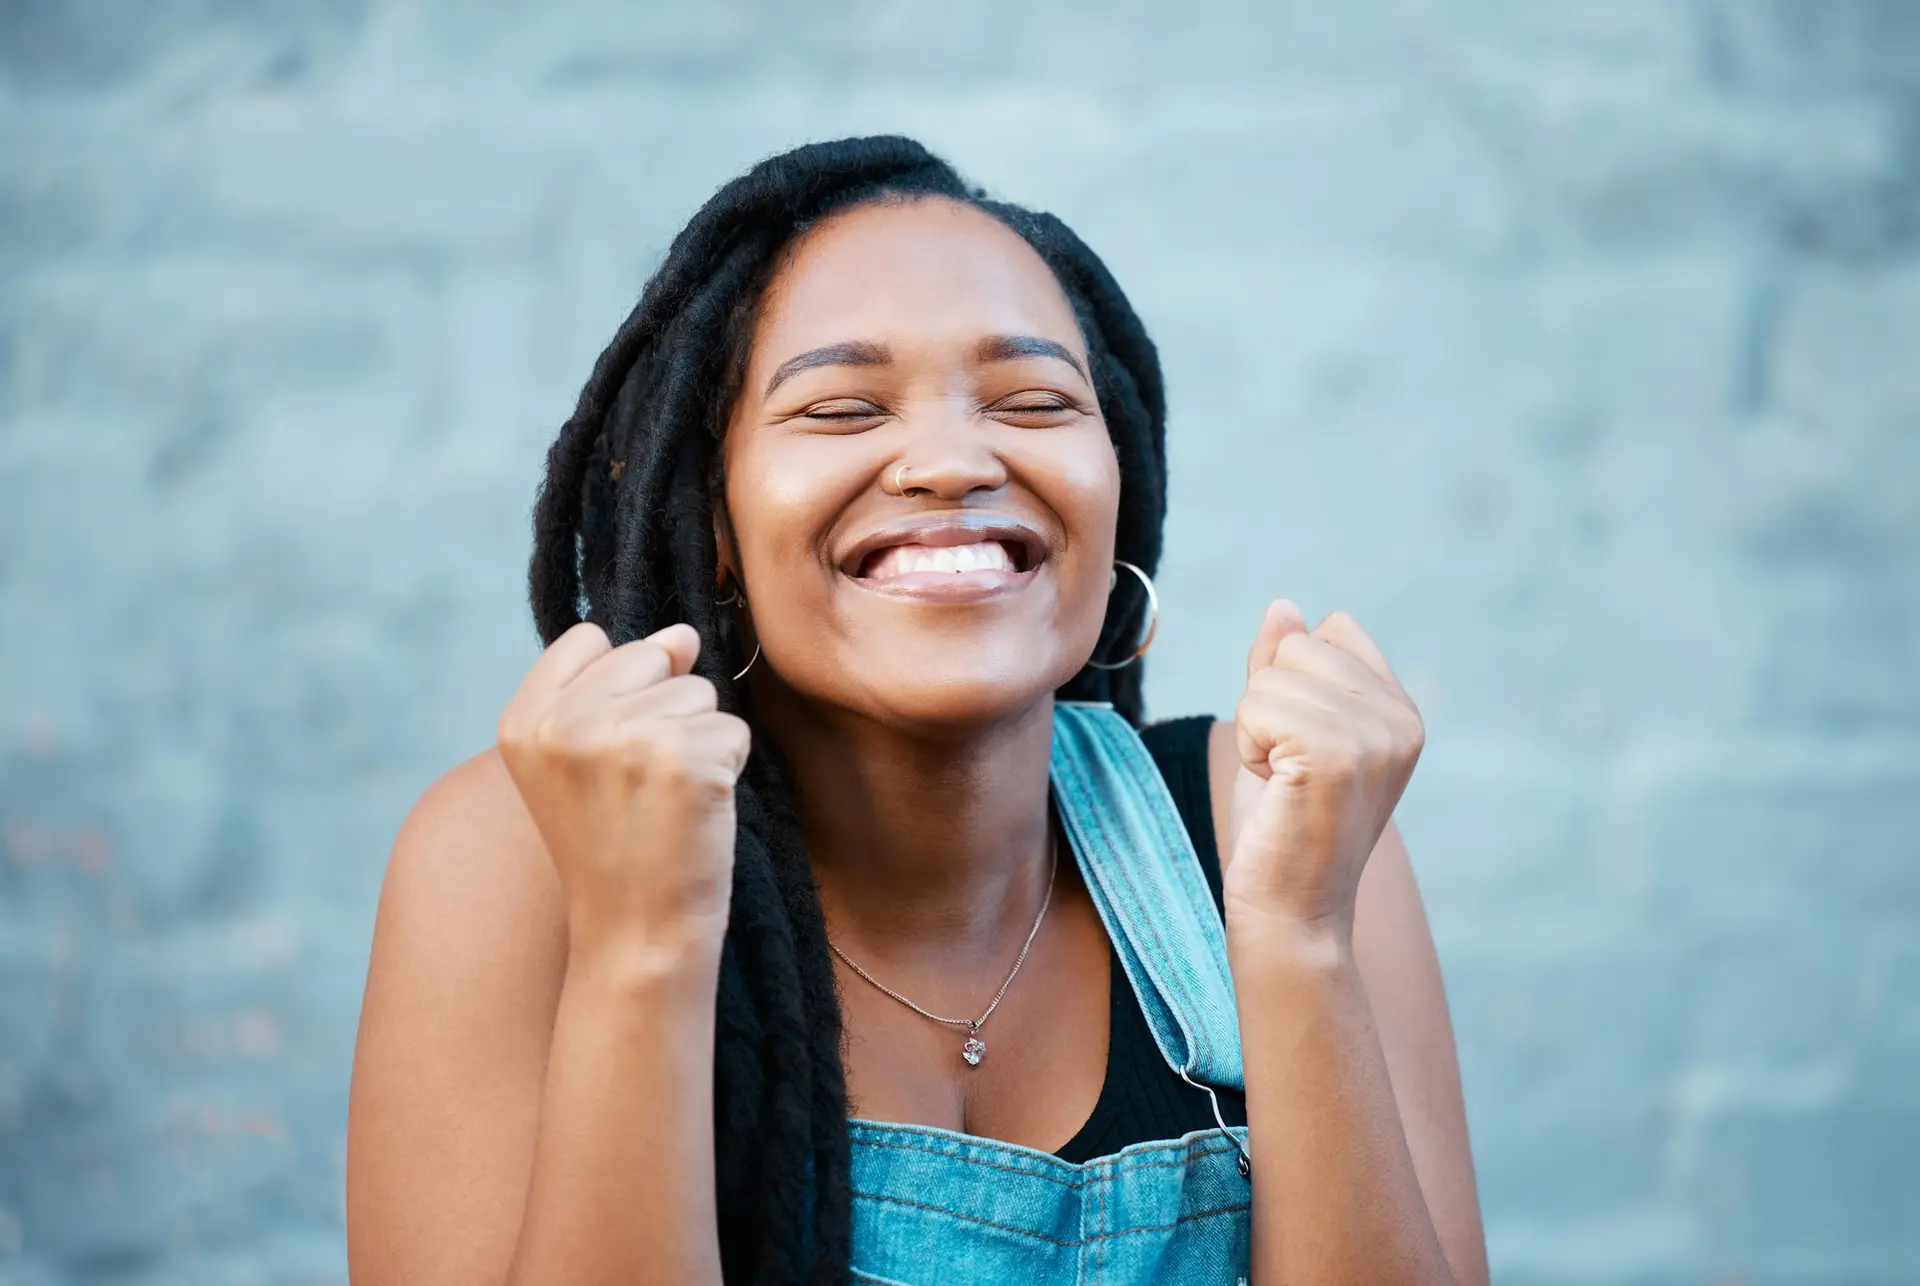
x=852 y=352
x=1011 y=348
x=860 y=352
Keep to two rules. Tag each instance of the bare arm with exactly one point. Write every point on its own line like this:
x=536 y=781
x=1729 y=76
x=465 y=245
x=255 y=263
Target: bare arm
x=1362 y=1170
x=1351 y=1067
x=532 y=1099
x=510 y=1105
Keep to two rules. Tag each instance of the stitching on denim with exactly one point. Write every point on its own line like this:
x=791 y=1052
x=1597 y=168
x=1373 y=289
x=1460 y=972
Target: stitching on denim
x=1099 y=1234
x=1088 y=1170
x=955 y=1214
x=1237 y=1208
x=1099 y=1170
x=1131 y=1168
x=948 y=1154
x=1090 y=1225
x=1041 y=1236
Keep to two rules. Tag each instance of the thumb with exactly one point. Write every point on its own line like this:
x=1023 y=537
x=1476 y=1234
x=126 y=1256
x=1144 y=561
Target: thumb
x=1283 y=617
x=681 y=643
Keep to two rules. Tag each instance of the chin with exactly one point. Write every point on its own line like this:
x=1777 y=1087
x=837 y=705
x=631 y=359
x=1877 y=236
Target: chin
x=942 y=688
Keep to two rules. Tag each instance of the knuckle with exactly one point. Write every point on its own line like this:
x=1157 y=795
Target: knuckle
x=1249 y=709
x=738 y=731
x=676 y=756
x=701 y=688
x=507 y=731
x=646 y=650
x=583 y=631
x=662 y=755
x=1415 y=730
x=585 y=638
x=545 y=735
x=563 y=736
x=1266 y=682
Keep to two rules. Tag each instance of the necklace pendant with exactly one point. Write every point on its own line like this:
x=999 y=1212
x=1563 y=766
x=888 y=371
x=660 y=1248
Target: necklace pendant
x=973 y=1051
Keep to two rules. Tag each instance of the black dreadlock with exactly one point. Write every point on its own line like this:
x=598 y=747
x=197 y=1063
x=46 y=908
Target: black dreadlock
x=623 y=536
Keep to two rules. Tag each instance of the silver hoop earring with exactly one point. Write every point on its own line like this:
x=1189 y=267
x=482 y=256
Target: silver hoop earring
x=750 y=661
x=735 y=598
x=1153 y=620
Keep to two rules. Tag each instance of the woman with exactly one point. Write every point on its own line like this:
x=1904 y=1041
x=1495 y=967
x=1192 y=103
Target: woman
x=825 y=801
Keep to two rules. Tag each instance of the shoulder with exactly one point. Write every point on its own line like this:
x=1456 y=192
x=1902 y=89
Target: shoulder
x=469 y=857
x=475 y=795
x=471 y=902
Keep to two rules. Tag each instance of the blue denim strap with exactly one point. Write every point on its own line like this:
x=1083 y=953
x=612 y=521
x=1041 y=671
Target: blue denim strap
x=1146 y=882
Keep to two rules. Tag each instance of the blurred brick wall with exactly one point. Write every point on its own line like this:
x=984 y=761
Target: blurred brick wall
x=1574 y=346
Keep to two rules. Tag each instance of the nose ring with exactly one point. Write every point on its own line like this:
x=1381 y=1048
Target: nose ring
x=899 y=480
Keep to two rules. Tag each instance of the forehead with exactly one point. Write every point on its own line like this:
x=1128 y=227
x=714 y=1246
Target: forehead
x=927 y=271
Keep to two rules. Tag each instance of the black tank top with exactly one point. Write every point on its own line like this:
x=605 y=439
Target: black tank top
x=1142 y=1098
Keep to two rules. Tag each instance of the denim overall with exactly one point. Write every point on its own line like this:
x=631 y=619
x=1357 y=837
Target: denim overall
x=934 y=1206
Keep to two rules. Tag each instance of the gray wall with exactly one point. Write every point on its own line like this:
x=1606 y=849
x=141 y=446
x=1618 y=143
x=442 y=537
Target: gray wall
x=1570 y=345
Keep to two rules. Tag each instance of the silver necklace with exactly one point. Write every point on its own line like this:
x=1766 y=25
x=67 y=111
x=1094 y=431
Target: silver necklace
x=974 y=1049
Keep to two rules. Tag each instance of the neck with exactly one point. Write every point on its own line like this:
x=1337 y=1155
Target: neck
x=923 y=842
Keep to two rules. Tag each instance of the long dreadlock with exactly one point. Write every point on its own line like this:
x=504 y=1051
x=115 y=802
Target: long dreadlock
x=623 y=536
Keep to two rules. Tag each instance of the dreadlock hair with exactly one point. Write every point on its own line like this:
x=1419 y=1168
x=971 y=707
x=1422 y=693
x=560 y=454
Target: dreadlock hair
x=623 y=536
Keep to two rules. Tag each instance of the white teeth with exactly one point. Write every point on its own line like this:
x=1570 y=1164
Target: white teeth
x=904 y=560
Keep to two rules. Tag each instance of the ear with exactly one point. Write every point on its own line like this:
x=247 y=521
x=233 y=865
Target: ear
x=726 y=559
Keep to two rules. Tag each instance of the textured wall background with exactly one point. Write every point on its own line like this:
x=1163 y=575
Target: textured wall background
x=1571 y=345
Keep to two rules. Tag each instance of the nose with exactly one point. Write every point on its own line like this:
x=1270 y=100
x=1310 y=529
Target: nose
x=947 y=462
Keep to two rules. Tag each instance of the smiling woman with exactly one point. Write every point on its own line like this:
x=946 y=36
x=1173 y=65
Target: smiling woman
x=824 y=911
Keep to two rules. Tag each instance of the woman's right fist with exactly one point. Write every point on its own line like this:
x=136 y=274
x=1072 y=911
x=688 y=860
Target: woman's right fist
x=628 y=767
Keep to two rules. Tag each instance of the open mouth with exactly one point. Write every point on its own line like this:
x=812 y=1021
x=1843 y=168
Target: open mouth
x=947 y=557
x=895 y=561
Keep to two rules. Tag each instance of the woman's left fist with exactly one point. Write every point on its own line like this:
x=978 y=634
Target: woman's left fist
x=1327 y=740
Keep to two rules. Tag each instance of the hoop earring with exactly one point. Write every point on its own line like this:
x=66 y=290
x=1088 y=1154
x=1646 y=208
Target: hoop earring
x=750 y=661
x=735 y=598
x=1153 y=620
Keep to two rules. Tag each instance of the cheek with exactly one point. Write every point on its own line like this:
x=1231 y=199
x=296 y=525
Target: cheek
x=1076 y=474
x=1082 y=486
x=780 y=502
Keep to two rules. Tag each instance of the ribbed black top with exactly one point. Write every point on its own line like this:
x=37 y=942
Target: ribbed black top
x=1142 y=1099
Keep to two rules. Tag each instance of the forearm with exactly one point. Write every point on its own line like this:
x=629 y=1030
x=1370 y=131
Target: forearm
x=622 y=1189
x=1335 y=1196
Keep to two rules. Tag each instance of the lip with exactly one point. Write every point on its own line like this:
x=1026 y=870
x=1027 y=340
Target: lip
x=944 y=530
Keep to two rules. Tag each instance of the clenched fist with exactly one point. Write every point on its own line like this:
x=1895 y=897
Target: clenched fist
x=628 y=768
x=1327 y=740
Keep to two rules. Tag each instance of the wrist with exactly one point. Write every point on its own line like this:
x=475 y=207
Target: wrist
x=682 y=961
x=1263 y=938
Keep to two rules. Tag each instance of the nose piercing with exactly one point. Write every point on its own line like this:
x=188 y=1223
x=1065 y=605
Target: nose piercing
x=899 y=480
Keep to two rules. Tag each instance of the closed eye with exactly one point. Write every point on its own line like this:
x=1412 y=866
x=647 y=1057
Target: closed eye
x=1035 y=409
x=843 y=412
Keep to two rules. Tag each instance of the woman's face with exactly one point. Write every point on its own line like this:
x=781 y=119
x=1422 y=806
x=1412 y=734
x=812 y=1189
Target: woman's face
x=920 y=489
